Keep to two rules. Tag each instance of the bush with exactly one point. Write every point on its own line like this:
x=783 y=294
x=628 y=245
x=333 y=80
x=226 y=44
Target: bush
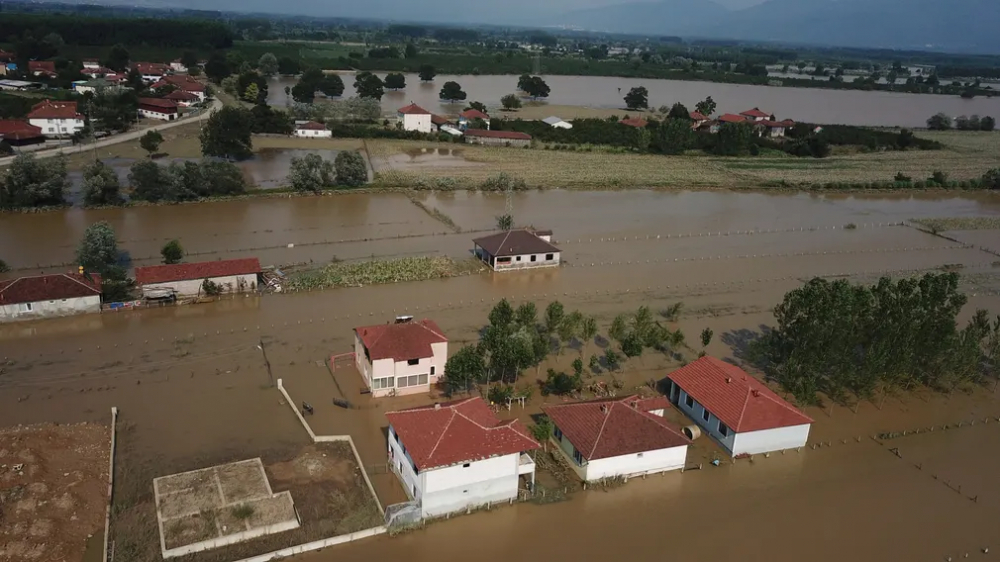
x=351 y=169
x=901 y=177
x=938 y=177
x=560 y=384
x=502 y=182
x=211 y=288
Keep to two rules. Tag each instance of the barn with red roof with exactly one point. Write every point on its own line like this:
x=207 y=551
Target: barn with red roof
x=404 y=357
x=617 y=437
x=188 y=279
x=458 y=455
x=737 y=410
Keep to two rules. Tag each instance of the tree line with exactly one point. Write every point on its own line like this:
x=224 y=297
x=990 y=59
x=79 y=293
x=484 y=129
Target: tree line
x=838 y=338
x=942 y=122
x=99 y=31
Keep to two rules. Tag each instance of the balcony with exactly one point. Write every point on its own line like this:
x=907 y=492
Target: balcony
x=525 y=465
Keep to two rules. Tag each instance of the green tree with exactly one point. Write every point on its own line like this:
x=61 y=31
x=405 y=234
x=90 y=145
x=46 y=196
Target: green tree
x=987 y=123
x=311 y=173
x=410 y=51
x=351 y=168
x=151 y=182
x=637 y=98
x=30 y=182
x=477 y=106
x=991 y=179
x=734 y=139
x=554 y=315
x=101 y=185
x=151 y=141
x=505 y=222
x=218 y=177
x=189 y=59
x=464 y=370
x=303 y=92
x=370 y=87
x=332 y=85
x=612 y=359
x=535 y=87
x=217 y=67
x=678 y=111
x=227 y=134
x=674 y=136
x=706 y=337
x=251 y=93
x=172 y=252
x=642 y=139
x=452 y=92
x=268 y=64
x=542 y=430
x=939 y=122
x=511 y=102
x=117 y=59
x=4 y=268
x=112 y=111
x=706 y=107
x=395 y=81
x=288 y=66
x=426 y=72
x=526 y=315
x=98 y=250
x=588 y=331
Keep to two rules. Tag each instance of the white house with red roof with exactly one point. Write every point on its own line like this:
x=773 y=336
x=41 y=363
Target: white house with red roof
x=415 y=118
x=458 y=455
x=405 y=357
x=617 y=437
x=158 y=108
x=182 y=82
x=56 y=118
x=44 y=296
x=312 y=130
x=151 y=71
x=466 y=117
x=187 y=279
x=737 y=410
x=756 y=114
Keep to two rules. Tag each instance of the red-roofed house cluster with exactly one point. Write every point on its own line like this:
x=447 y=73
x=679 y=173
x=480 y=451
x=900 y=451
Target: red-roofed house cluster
x=404 y=357
x=457 y=455
x=764 y=124
x=415 y=118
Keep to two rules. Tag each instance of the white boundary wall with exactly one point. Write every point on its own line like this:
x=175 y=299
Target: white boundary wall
x=111 y=481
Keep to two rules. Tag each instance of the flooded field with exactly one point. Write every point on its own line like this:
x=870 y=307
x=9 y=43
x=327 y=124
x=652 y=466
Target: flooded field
x=850 y=107
x=194 y=390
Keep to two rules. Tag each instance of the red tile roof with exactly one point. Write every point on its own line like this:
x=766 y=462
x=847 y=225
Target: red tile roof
x=637 y=122
x=48 y=288
x=457 y=432
x=755 y=113
x=401 y=342
x=312 y=126
x=767 y=123
x=413 y=109
x=180 y=95
x=17 y=129
x=201 y=270
x=605 y=428
x=512 y=135
x=181 y=81
x=41 y=65
x=730 y=118
x=438 y=120
x=150 y=68
x=157 y=103
x=742 y=402
x=514 y=243
x=48 y=109
x=698 y=116
x=474 y=114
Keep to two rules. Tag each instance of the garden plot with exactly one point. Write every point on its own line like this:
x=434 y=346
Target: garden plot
x=219 y=505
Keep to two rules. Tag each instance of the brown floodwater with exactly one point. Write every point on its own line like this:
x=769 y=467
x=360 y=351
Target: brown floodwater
x=849 y=107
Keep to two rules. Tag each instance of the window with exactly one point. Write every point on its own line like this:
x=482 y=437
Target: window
x=412 y=361
x=549 y=257
x=533 y=257
x=577 y=457
x=688 y=401
x=385 y=382
x=558 y=433
x=26 y=307
x=723 y=430
x=704 y=414
x=432 y=370
x=466 y=465
x=412 y=380
x=414 y=490
x=518 y=258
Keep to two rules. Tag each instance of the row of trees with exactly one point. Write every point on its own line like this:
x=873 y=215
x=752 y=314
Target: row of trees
x=941 y=122
x=839 y=338
x=185 y=181
x=100 y=31
x=312 y=173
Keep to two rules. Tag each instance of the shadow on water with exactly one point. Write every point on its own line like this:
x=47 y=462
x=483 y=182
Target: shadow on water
x=740 y=342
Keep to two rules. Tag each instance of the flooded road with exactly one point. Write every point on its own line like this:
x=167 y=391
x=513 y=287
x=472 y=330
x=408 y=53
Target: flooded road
x=850 y=107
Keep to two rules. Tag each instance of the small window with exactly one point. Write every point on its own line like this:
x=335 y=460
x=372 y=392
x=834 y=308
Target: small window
x=558 y=433
x=413 y=362
x=639 y=455
x=518 y=258
x=723 y=430
x=466 y=465
x=432 y=370
x=414 y=490
x=704 y=414
x=534 y=257
x=577 y=457
x=688 y=401
x=549 y=257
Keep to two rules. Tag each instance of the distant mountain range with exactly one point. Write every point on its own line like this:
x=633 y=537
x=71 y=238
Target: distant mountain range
x=953 y=25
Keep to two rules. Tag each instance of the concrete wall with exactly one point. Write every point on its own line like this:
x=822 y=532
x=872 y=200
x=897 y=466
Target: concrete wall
x=57 y=127
x=697 y=412
x=315 y=545
x=767 y=440
x=49 y=309
x=420 y=123
x=192 y=287
x=647 y=462
x=462 y=486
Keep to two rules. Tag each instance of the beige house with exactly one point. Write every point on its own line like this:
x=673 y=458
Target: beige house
x=187 y=279
x=405 y=357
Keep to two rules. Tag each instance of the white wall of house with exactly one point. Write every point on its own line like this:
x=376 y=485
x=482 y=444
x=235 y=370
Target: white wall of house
x=152 y=77
x=723 y=435
x=48 y=309
x=402 y=464
x=314 y=133
x=420 y=123
x=57 y=127
x=230 y=284
x=400 y=375
x=163 y=116
x=647 y=462
x=525 y=261
x=767 y=440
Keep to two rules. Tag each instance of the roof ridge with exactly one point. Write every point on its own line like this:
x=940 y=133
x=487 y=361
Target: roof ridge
x=444 y=430
x=68 y=276
x=600 y=433
x=11 y=284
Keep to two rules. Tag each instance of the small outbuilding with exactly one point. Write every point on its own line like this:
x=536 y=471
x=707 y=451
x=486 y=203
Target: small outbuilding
x=188 y=279
x=557 y=123
x=158 y=108
x=457 y=455
x=468 y=116
x=405 y=357
x=517 y=249
x=617 y=437
x=46 y=296
x=737 y=410
x=497 y=138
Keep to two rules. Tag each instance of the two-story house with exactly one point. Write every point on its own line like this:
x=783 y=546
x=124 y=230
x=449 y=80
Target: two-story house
x=405 y=357
x=56 y=118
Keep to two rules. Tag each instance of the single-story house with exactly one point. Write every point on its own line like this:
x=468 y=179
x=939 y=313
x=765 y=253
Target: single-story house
x=773 y=129
x=698 y=119
x=44 y=296
x=186 y=279
x=91 y=64
x=183 y=99
x=158 y=108
x=404 y=357
x=415 y=118
x=18 y=132
x=42 y=68
x=637 y=122
x=737 y=410
x=182 y=82
x=151 y=71
x=497 y=138
x=617 y=437
x=557 y=123
x=470 y=115
x=517 y=249
x=457 y=455
x=313 y=130
x=732 y=118
x=756 y=114
x=56 y=118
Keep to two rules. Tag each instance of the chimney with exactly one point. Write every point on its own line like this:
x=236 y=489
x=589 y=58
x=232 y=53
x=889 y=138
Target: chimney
x=729 y=380
x=604 y=408
x=437 y=406
x=755 y=393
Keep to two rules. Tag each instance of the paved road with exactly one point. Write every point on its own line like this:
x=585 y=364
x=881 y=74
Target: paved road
x=124 y=137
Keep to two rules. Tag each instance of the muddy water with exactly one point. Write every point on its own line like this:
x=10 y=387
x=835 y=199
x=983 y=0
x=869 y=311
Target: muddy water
x=801 y=104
